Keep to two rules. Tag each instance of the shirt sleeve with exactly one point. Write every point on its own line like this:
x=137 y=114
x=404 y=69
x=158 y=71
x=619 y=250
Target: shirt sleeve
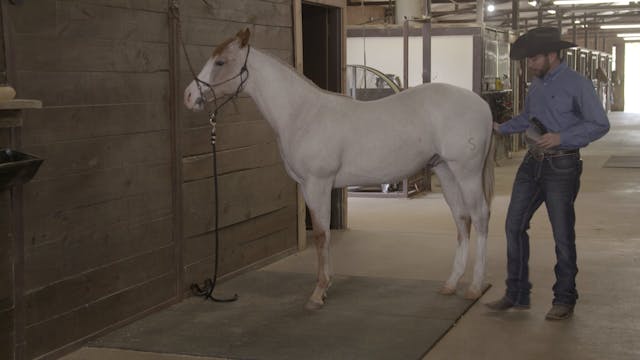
x=518 y=123
x=595 y=122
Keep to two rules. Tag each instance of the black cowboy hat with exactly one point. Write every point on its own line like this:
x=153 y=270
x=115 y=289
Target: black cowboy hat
x=540 y=40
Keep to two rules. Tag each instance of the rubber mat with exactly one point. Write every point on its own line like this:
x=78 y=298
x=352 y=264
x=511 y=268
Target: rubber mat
x=364 y=318
x=622 y=162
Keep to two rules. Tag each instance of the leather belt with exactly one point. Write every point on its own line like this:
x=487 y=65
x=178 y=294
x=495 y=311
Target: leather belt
x=539 y=155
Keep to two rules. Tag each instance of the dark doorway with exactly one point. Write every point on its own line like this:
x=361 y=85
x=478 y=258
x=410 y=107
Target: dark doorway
x=322 y=58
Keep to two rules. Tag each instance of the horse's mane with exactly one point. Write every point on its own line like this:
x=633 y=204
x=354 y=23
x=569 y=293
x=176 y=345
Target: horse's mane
x=293 y=70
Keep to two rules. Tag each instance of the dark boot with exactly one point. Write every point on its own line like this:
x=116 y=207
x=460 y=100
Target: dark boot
x=559 y=312
x=505 y=303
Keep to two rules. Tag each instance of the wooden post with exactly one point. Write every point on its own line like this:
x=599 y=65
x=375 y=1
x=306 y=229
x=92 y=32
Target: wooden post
x=176 y=144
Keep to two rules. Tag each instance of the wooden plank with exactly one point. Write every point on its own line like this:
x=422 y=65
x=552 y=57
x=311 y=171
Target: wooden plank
x=201 y=247
x=81 y=88
x=76 y=123
x=84 y=288
x=245 y=158
x=234 y=135
x=69 y=192
x=243 y=195
x=242 y=108
x=198 y=55
x=148 y=5
x=47 y=336
x=19 y=104
x=258 y=249
x=88 y=54
x=242 y=256
x=92 y=248
x=201 y=32
x=196 y=141
x=57 y=224
x=241 y=11
x=98 y=154
x=51 y=18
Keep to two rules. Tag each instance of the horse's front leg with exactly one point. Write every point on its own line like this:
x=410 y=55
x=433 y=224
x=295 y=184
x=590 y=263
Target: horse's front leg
x=318 y=196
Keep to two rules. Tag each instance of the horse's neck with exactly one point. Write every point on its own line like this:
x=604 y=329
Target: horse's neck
x=280 y=93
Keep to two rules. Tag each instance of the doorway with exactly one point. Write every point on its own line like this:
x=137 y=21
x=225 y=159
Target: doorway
x=322 y=59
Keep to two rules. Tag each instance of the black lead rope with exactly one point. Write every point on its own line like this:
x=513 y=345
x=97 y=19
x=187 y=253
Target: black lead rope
x=209 y=284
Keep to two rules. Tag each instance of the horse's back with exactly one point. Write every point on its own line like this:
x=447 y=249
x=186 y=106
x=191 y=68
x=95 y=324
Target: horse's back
x=398 y=135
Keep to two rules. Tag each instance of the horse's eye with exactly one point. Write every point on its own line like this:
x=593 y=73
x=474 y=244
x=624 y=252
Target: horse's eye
x=219 y=62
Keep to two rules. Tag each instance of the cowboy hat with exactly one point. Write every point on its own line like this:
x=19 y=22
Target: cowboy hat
x=540 y=40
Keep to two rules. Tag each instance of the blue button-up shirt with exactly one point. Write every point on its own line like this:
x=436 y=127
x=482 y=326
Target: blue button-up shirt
x=566 y=103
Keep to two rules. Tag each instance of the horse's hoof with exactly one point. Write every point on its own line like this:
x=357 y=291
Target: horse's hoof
x=445 y=290
x=313 y=305
x=472 y=294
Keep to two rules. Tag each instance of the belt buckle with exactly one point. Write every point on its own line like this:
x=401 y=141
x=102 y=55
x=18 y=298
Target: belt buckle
x=537 y=155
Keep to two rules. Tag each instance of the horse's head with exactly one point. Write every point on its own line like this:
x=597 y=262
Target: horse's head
x=222 y=74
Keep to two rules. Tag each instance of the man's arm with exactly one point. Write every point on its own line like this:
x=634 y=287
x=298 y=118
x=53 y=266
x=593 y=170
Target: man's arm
x=595 y=122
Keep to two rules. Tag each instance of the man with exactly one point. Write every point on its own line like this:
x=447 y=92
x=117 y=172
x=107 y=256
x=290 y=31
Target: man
x=562 y=114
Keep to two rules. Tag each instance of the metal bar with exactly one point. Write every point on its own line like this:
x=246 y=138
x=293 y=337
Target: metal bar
x=405 y=53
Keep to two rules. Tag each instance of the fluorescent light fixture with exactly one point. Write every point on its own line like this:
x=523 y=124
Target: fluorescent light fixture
x=628 y=35
x=632 y=38
x=583 y=2
x=490 y=8
x=533 y=3
x=620 y=26
x=551 y=11
x=577 y=22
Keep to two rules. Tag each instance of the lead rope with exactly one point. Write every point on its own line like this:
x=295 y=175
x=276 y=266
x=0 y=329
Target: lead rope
x=209 y=284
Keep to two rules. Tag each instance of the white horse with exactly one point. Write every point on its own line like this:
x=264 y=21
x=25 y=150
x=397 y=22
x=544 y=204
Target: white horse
x=329 y=140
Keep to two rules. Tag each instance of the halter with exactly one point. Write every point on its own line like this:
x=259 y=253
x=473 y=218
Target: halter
x=243 y=75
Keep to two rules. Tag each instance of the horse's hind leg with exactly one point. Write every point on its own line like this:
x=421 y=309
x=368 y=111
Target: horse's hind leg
x=454 y=199
x=471 y=185
x=318 y=196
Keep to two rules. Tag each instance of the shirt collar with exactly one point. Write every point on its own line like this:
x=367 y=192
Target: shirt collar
x=551 y=75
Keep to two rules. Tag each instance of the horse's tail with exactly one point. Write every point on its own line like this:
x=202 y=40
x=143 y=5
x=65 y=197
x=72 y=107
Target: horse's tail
x=487 y=171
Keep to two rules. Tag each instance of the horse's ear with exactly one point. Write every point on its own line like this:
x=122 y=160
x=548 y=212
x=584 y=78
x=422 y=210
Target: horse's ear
x=243 y=36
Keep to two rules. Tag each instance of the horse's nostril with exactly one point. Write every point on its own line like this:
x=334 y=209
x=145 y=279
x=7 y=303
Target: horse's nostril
x=199 y=101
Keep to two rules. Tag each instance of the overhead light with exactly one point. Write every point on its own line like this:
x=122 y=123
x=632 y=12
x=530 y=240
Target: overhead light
x=632 y=38
x=490 y=8
x=577 y=22
x=583 y=2
x=551 y=11
x=620 y=26
x=533 y=3
x=628 y=35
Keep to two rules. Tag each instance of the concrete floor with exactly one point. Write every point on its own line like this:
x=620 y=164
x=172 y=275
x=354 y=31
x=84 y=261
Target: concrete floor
x=415 y=239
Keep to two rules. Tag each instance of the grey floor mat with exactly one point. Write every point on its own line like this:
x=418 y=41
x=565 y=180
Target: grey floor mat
x=622 y=162
x=364 y=318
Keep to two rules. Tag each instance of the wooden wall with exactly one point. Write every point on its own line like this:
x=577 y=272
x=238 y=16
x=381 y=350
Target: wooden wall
x=118 y=222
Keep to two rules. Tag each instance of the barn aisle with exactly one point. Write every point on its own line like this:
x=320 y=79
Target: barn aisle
x=414 y=239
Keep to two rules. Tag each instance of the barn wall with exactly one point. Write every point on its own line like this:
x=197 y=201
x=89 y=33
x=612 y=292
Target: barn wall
x=126 y=165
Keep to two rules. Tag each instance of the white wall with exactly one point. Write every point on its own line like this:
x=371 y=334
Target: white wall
x=385 y=54
x=452 y=60
x=451 y=57
x=631 y=77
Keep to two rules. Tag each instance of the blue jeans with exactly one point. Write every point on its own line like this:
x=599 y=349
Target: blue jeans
x=554 y=181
